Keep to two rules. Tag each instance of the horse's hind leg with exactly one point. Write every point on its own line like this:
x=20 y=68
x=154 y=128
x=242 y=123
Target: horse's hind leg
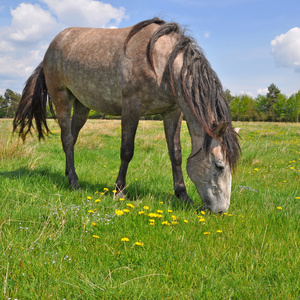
x=80 y=115
x=172 y=124
x=130 y=120
x=64 y=100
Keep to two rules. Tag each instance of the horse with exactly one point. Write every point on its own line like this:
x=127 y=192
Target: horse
x=150 y=68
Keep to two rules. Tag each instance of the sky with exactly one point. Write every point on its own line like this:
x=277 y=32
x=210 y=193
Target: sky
x=249 y=43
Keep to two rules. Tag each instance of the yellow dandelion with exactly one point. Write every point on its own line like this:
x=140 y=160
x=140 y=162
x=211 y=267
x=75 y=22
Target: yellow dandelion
x=114 y=191
x=89 y=197
x=174 y=218
x=97 y=200
x=119 y=212
x=152 y=215
x=121 y=199
x=159 y=216
x=139 y=244
x=141 y=212
x=106 y=189
x=130 y=205
x=124 y=239
x=91 y=211
x=201 y=219
x=146 y=207
x=169 y=210
x=94 y=223
x=206 y=233
x=279 y=207
x=298 y=198
x=159 y=211
x=202 y=212
x=152 y=220
x=171 y=193
x=174 y=223
x=165 y=223
x=96 y=236
x=185 y=221
x=126 y=210
x=219 y=231
x=161 y=202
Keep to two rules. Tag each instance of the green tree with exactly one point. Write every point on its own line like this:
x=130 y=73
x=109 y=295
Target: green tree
x=228 y=96
x=9 y=103
x=243 y=108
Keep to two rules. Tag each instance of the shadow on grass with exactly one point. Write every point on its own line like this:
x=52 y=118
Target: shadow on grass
x=47 y=177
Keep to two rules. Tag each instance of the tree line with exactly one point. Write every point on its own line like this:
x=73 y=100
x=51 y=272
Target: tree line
x=272 y=107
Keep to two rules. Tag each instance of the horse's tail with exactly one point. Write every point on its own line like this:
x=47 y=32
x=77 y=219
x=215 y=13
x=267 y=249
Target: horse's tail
x=33 y=105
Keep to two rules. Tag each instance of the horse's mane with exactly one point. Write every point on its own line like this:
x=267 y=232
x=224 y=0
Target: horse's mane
x=199 y=84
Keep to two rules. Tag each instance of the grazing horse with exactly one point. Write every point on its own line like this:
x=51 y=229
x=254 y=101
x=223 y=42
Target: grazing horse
x=147 y=69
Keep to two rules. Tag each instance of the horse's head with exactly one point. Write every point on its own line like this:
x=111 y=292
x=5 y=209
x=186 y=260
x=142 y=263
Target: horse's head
x=211 y=173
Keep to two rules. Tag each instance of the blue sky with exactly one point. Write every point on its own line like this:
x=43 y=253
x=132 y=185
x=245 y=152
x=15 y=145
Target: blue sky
x=249 y=43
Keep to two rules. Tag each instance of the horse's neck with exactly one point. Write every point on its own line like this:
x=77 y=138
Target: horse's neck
x=196 y=132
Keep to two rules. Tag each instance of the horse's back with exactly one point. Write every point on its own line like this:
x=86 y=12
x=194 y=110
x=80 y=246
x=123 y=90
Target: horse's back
x=92 y=64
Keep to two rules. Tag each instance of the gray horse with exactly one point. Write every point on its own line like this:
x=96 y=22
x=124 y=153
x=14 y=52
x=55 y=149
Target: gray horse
x=150 y=68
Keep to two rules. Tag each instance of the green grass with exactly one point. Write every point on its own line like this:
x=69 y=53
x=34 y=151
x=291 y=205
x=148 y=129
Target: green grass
x=57 y=243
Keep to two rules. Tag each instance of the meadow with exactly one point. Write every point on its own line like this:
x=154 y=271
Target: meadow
x=59 y=243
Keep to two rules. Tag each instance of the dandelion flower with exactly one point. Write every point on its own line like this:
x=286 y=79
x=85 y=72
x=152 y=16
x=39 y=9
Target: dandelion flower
x=146 y=207
x=119 y=212
x=91 y=211
x=161 y=202
x=165 y=223
x=126 y=210
x=130 y=205
x=141 y=212
x=174 y=218
x=159 y=211
x=202 y=212
x=219 y=231
x=169 y=210
x=298 y=198
x=279 y=207
x=124 y=239
x=174 y=223
x=89 y=197
x=105 y=189
x=97 y=200
x=94 y=223
x=201 y=219
x=185 y=221
x=114 y=191
x=121 y=199
x=139 y=244
x=206 y=233
x=96 y=236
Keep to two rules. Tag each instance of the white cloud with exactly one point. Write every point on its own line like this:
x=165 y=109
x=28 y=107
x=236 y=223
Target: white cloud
x=286 y=49
x=262 y=91
x=30 y=23
x=24 y=42
x=207 y=34
x=88 y=13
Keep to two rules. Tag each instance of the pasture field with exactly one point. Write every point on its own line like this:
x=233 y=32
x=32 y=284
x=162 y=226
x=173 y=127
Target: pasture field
x=58 y=243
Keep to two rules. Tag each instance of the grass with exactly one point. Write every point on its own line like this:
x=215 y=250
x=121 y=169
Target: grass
x=57 y=243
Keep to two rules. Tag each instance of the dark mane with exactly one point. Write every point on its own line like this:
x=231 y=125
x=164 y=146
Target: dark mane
x=199 y=85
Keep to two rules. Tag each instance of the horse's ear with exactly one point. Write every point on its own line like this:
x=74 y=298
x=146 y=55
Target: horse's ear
x=237 y=130
x=221 y=129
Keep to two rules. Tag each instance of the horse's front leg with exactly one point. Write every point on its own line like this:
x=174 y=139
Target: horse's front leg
x=130 y=120
x=172 y=124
